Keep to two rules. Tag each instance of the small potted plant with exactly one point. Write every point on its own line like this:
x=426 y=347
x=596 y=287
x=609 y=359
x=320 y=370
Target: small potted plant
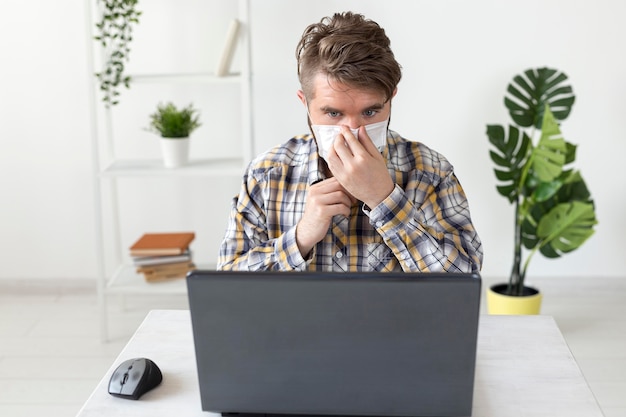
x=174 y=126
x=554 y=211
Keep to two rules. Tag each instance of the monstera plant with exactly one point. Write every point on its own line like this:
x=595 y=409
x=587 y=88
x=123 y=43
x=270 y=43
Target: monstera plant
x=554 y=212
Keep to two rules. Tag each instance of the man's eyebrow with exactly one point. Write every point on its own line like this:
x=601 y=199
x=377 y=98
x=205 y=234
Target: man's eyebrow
x=328 y=109
x=376 y=106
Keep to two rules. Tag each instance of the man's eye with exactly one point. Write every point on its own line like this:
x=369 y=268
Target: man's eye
x=370 y=113
x=333 y=113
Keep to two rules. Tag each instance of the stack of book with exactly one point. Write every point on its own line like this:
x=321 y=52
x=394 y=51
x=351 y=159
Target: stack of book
x=163 y=256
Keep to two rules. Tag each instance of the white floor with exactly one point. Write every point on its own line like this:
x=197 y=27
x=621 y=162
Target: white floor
x=51 y=357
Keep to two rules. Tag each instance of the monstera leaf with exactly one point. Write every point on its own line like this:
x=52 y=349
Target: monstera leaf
x=571 y=189
x=543 y=190
x=515 y=157
x=565 y=228
x=510 y=156
x=548 y=157
x=528 y=95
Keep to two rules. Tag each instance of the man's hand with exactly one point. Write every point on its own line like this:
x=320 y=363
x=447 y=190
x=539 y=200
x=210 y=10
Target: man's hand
x=359 y=167
x=325 y=200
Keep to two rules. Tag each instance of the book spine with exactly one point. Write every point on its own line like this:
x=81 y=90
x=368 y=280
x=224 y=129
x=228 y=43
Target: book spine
x=163 y=274
x=161 y=260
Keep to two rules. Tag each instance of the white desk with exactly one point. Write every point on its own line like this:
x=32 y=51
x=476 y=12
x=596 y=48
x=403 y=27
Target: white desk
x=523 y=369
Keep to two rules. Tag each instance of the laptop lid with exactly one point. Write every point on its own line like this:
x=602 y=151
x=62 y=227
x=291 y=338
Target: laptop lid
x=387 y=344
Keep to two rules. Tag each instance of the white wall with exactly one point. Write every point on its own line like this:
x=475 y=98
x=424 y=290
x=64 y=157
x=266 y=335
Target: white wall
x=46 y=214
x=457 y=56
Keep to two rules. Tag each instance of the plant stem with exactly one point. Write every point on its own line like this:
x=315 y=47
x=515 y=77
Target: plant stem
x=515 y=278
x=530 y=255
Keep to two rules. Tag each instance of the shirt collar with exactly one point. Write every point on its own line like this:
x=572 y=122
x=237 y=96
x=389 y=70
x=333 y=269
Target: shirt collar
x=317 y=165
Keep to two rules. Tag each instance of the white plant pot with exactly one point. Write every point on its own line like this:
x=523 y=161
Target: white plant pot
x=175 y=152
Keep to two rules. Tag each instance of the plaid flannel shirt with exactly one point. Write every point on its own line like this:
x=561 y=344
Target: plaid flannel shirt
x=423 y=225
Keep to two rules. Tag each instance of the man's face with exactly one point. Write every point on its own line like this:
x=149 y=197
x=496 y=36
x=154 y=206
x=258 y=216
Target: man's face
x=334 y=103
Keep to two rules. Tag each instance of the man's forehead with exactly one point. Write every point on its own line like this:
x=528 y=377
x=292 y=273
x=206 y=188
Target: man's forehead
x=326 y=87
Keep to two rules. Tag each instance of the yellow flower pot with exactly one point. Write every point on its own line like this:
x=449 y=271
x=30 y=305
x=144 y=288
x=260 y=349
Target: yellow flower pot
x=499 y=303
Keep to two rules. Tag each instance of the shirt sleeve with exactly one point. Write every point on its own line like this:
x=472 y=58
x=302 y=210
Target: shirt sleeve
x=433 y=231
x=248 y=245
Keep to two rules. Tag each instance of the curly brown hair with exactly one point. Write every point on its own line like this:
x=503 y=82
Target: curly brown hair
x=350 y=49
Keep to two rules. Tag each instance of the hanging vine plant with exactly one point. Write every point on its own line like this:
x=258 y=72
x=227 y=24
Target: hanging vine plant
x=115 y=30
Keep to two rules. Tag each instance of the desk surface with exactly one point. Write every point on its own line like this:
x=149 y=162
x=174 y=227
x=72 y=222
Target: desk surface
x=523 y=369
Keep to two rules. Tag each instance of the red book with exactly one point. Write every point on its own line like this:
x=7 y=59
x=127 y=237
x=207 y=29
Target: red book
x=161 y=244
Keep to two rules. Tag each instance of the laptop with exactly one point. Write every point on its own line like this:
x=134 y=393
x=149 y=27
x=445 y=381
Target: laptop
x=325 y=343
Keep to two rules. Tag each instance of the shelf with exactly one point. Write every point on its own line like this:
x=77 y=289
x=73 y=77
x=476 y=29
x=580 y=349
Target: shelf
x=186 y=78
x=127 y=281
x=155 y=167
x=109 y=167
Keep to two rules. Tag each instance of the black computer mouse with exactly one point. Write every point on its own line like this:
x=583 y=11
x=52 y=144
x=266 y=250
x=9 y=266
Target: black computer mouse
x=134 y=377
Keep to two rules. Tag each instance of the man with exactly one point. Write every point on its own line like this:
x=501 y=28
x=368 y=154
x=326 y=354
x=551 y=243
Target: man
x=354 y=196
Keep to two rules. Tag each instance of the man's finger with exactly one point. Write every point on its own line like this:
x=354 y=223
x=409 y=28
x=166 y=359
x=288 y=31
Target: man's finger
x=349 y=140
x=366 y=141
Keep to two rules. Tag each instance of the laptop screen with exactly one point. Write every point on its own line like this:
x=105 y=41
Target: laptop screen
x=392 y=344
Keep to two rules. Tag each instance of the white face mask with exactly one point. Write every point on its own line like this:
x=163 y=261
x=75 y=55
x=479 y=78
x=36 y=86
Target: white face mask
x=326 y=135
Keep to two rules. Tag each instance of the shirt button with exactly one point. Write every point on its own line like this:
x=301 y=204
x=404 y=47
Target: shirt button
x=339 y=255
x=379 y=224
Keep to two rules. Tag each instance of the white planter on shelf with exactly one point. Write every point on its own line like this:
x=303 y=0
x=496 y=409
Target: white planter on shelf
x=175 y=151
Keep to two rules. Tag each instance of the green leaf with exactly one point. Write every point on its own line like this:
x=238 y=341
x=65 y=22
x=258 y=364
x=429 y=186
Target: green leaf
x=503 y=175
x=495 y=134
x=498 y=160
x=566 y=227
x=546 y=190
x=570 y=155
x=528 y=95
x=573 y=189
x=506 y=190
x=171 y=122
x=518 y=113
x=114 y=29
x=510 y=153
x=549 y=156
x=528 y=231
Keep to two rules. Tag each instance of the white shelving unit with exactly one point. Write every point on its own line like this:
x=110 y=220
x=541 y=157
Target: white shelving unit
x=124 y=280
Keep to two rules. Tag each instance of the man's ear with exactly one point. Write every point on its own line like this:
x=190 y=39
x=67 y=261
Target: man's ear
x=395 y=91
x=302 y=97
